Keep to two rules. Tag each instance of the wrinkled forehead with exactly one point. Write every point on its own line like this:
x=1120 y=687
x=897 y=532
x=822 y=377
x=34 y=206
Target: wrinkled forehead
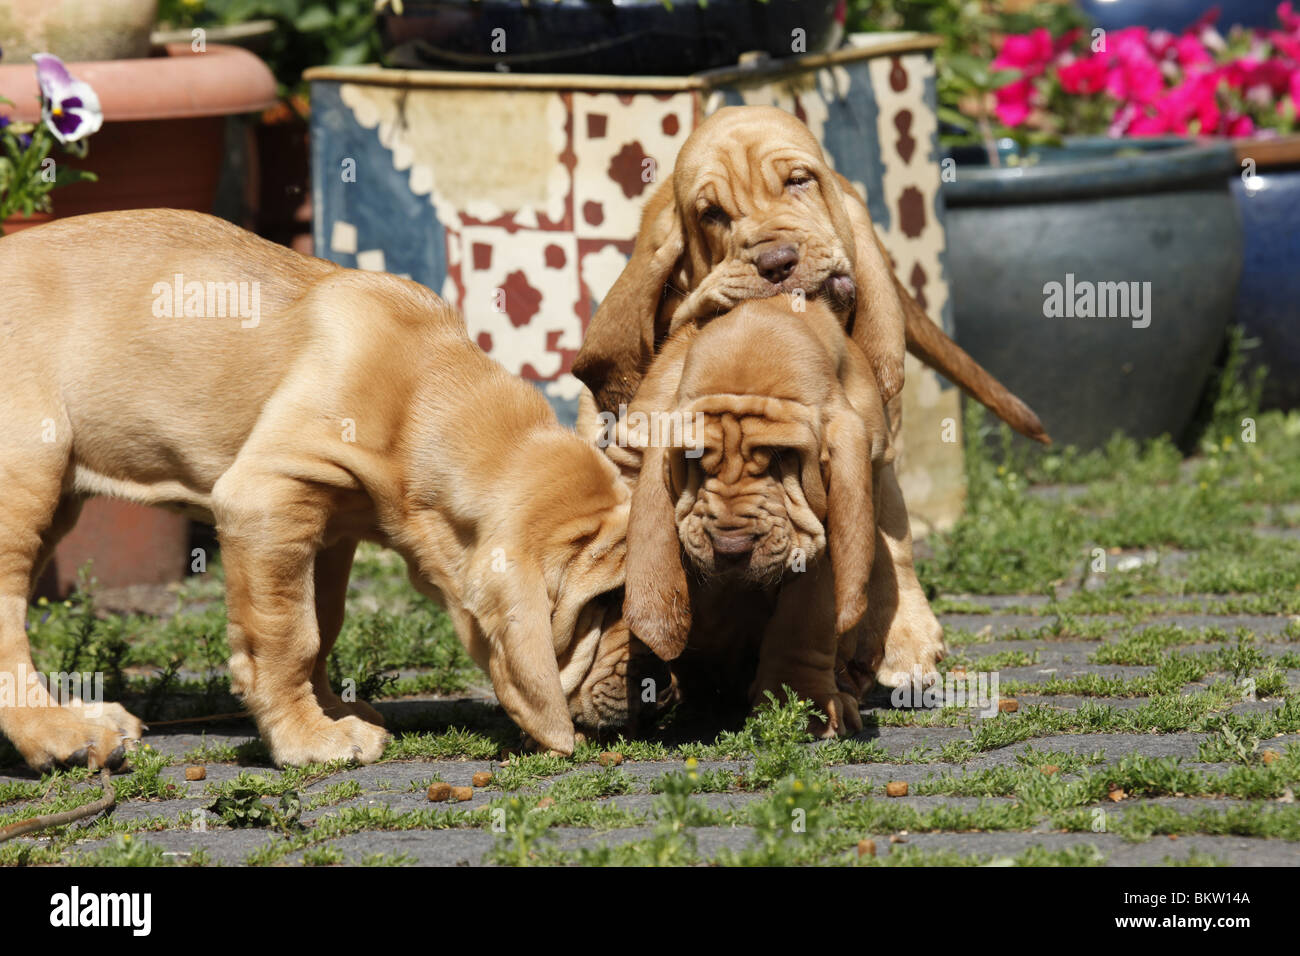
x=740 y=426
x=761 y=347
x=729 y=160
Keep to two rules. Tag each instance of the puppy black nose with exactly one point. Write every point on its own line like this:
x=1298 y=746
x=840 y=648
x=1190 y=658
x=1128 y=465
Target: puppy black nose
x=775 y=265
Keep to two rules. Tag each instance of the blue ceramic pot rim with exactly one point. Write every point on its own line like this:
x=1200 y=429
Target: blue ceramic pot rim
x=1165 y=167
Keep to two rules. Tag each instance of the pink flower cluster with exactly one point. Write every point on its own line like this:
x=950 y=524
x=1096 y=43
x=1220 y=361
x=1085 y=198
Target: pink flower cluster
x=1155 y=83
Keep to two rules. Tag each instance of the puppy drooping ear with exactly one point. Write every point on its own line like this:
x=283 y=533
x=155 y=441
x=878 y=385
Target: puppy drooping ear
x=879 y=323
x=521 y=660
x=620 y=339
x=850 y=517
x=657 y=604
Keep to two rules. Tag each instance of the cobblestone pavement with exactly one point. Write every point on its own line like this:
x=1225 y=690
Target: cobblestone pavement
x=1067 y=777
x=1131 y=704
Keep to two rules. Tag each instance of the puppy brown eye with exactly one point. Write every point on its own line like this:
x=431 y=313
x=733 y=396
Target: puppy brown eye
x=716 y=216
x=798 y=180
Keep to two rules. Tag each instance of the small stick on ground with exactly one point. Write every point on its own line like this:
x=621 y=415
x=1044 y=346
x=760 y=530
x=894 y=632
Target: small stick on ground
x=205 y=719
x=104 y=803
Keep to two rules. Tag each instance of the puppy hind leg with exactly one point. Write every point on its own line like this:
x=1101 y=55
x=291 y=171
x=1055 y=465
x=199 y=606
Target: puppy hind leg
x=333 y=566
x=33 y=515
x=62 y=521
x=270 y=529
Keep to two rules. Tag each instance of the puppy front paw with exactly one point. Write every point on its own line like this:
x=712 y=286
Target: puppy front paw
x=58 y=736
x=913 y=649
x=326 y=740
x=843 y=717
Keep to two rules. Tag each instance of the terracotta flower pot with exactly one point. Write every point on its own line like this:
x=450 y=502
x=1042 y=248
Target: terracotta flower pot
x=19 y=223
x=164 y=124
x=161 y=145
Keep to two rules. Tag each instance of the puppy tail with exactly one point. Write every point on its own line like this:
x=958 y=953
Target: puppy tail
x=928 y=342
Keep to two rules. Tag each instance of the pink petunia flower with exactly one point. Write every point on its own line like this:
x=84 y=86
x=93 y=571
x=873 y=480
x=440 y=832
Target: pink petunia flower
x=1027 y=52
x=1084 y=76
x=1189 y=51
x=1239 y=126
x=1137 y=80
x=1014 y=102
x=1288 y=18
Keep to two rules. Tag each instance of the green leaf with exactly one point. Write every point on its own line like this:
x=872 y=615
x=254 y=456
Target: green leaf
x=955 y=117
x=313 y=19
x=351 y=55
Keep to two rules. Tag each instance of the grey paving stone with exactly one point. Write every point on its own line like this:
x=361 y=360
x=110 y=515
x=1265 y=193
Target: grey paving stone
x=226 y=847
x=459 y=847
x=1270 y=624
x=900 y=739
x=646 y=771
x=1037 y=674
x=992 y=624
x=1071 y=702
x=178 y=744
x=643 y=803
x=1184 y=745
x=709 y=840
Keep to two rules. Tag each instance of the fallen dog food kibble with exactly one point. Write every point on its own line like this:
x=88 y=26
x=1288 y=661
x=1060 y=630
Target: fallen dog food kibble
x=896 y=788
x=545 y=802
x=610 y=758
x=1049 y=768
x=196 y=773
x=482 y=778
x=1008 y=706
x=1268 y=756
x=461 y=794
x=866 y=848
x=439 y=792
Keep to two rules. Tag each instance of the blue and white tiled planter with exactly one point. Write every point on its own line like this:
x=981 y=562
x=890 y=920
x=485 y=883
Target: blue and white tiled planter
x=518 y=197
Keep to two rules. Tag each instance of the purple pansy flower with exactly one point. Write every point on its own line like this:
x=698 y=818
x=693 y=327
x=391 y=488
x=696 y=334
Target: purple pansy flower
x=69 y=107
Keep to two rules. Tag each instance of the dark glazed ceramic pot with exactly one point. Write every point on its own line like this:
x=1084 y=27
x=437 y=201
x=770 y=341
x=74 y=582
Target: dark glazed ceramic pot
x=1267 y=191
x=1097 y=281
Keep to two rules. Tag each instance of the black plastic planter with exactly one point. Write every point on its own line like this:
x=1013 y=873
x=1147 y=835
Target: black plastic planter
x=622 y=37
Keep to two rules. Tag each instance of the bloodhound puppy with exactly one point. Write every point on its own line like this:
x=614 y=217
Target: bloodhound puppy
x=172 y=359
x=753 y=441
x=753 y=209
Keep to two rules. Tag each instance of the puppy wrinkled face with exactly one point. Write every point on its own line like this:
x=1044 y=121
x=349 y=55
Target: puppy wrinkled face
x=627 y=686
x=746 y=508
x=767 y=217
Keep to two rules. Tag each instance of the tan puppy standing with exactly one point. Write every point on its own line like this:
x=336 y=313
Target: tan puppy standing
x=753 y=440
x=301 y=407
